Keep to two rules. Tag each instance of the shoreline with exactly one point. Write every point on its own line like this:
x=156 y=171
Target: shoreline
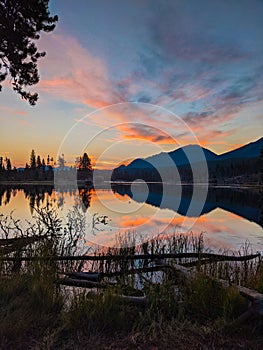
x=31 y=182
x=126 y=183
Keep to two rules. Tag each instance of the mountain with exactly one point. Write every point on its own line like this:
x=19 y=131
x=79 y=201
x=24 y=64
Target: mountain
x=238 y=162
x=251 y=150
x=182 y=156
x=139 y=164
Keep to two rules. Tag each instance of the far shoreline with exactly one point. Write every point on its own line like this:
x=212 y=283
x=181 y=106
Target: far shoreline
x=83 y=183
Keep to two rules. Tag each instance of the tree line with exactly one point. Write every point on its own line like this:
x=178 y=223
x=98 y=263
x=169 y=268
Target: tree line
x=247 y=170
x=42 y=169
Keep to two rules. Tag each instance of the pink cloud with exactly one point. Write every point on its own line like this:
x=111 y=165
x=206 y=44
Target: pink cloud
x=73 y=74
x=20 y=112
x=25 y=122
x=13 y=111
x=145 y=132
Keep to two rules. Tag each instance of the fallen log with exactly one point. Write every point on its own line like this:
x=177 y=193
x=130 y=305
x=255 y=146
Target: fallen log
x=97 y=276
x=30 y=239
x=255 y=298
x=10 y=245
x=90 y=276
x=211 y=256
x=133 y=299
x=138 y=300
x=74 y=282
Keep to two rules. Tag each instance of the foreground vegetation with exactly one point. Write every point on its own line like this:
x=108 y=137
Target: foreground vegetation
x=197 y=312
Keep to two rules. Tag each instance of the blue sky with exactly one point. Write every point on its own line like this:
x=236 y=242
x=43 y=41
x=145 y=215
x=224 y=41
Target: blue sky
x=191 y=70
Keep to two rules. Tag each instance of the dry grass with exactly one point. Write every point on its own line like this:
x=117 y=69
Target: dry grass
x=195 y=313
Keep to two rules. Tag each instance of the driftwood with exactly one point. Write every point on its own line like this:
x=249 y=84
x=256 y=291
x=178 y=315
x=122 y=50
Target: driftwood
x=19 y=240
x=89 y=276
x=81 y=283
x=97 y=276
x=10 y=245
x=133 y=299
x=255 y=305
x=212 y=257
x=91 y=280
x=255 y=298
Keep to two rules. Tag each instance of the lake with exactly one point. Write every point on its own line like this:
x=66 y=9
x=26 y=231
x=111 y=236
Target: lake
x=229 y=217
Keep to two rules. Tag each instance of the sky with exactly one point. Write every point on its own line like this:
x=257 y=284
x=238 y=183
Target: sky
x=126 y=79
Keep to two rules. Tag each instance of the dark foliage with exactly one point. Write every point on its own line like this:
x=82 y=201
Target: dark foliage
x=84 y=167
x=245 y=170
x=20 y=25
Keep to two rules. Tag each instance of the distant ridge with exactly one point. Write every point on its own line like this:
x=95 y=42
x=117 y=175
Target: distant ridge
x=182 y=156
x=196 y=153
x=238 y=162
x=250 y=150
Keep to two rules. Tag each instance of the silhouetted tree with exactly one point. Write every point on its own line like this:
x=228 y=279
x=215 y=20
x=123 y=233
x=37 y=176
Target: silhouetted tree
x=39 y=164
x=84 y=167
x=43 y=164
x=84 y=162
x=8 y=164
x=20 y=25
x=33 y=160
x=2 y=167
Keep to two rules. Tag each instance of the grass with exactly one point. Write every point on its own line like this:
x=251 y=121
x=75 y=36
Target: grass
x=180 y=313
x=28 y=305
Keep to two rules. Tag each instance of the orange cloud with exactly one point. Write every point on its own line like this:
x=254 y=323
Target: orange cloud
x=128 y=221
x=82 y=78
x=145 y=132
x=73 y=74
x=210 y=137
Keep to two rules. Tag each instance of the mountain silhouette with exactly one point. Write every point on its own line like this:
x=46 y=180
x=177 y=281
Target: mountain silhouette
x=251 y=150
x=184 y=155
x=243 y=160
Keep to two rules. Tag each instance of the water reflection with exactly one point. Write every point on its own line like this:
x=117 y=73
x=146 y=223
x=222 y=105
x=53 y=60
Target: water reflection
x=42 y=195
x=244 y=202
x=229 y=216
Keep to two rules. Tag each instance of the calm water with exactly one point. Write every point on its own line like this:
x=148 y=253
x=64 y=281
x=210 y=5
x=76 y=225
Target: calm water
x=229 y=217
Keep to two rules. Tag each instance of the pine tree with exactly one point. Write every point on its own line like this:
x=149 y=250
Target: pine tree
x=39 y=164
x=33 y=160
x=2 y=167
x=85 y=162
x=8 y=164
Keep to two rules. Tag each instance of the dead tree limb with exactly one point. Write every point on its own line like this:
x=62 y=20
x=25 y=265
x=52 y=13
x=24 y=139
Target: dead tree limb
x=211 y=256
